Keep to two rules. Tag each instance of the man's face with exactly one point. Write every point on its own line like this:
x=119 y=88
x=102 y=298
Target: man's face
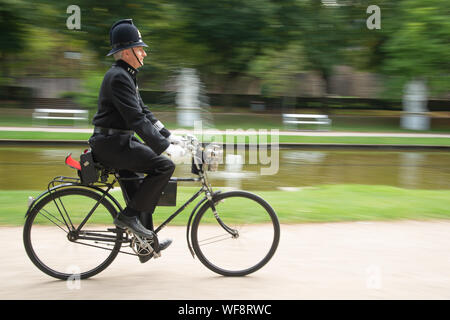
x=130 y=58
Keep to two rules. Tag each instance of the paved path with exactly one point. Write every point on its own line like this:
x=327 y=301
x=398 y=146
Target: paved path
x=355 y=260
x=246 y=132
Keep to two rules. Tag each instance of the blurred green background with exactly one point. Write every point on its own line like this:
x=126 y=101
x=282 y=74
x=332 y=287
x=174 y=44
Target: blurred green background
x=256 y=60
x=290 y=54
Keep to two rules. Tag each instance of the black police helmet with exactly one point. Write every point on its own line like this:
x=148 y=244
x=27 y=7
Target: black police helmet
x=124 y=35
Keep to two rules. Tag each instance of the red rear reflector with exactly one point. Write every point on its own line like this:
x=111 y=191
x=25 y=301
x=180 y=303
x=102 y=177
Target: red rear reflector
x=71 y=162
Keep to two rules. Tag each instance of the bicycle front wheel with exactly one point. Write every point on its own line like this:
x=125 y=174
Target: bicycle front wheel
x=58 y=246
x=239 y=238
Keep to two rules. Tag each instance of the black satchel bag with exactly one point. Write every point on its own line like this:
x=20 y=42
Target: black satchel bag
x=88 y=173
x=169 y=195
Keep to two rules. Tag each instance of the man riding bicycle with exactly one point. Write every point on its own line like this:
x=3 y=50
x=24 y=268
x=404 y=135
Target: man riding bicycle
x=121 y=113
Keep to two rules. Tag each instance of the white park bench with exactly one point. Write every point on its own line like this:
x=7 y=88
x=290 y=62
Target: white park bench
x=294 y=118
x=62 y=114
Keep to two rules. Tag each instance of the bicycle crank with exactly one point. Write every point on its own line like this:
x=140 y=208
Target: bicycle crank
x=142 y=246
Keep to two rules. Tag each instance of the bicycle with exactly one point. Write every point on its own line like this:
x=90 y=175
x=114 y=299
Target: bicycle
x=67 y=224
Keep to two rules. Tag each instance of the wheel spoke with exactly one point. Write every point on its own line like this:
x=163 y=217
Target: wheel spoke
x=256 y=230
x=68 y=217
x=56 y=253
x=61 y=222
x=223 y=236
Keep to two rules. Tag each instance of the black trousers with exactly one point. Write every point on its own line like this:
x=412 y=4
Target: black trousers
x=134 y=159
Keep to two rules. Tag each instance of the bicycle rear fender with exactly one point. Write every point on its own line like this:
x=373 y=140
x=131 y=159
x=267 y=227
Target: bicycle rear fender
x=193 y=213
x=43 y=194
x=66 y=185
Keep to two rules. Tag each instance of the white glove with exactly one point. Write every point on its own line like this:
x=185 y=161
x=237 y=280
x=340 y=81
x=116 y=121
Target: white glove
x=175 y=153
x=176 y=139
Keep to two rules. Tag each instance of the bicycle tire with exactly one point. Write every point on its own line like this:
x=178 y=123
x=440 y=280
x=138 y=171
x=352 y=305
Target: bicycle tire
x=272 y=226
x=85 y=195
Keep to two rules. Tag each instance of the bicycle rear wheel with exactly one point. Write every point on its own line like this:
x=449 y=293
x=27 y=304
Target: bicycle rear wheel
x=241 y=239
x=53 y=244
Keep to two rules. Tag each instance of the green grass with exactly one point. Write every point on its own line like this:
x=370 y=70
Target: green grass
x=343 y=120
x=8 y=120
x=326 y=203
x=34 y=135
x=26 y=135
x=368 y=140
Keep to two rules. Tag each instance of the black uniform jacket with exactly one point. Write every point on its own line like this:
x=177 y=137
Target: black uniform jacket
x=120 y=106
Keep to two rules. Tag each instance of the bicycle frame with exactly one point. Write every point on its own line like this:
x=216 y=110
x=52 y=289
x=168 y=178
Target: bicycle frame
x=209 y=196
x=76 y=233
x=61 y=182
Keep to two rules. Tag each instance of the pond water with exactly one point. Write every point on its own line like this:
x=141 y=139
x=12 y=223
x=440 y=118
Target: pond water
x=31 y=168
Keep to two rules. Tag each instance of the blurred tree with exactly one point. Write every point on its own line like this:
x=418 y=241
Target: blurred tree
x=413 y=42
x=29 y=39
x=366 y=45
x=283 y=60
x=97 y=17
x=226 y=37
x=13 y=23
x=273 y=40
x=419 y=43
x=233 y=32
x=92 y=40
x=325 y=33
x=278 y=69
x=158 y=22
x=91 y=87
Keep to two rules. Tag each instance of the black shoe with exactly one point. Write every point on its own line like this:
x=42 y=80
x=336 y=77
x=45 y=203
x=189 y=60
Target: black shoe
x=134 y=225
x=162 y=245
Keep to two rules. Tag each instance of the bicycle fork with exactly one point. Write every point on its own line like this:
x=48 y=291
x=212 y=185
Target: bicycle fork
x=234 y=233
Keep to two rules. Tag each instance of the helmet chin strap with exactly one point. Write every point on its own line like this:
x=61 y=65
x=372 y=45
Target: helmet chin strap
x=132 y=49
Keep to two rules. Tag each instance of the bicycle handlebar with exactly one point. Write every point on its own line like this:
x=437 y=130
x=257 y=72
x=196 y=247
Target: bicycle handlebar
x=211 y=155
